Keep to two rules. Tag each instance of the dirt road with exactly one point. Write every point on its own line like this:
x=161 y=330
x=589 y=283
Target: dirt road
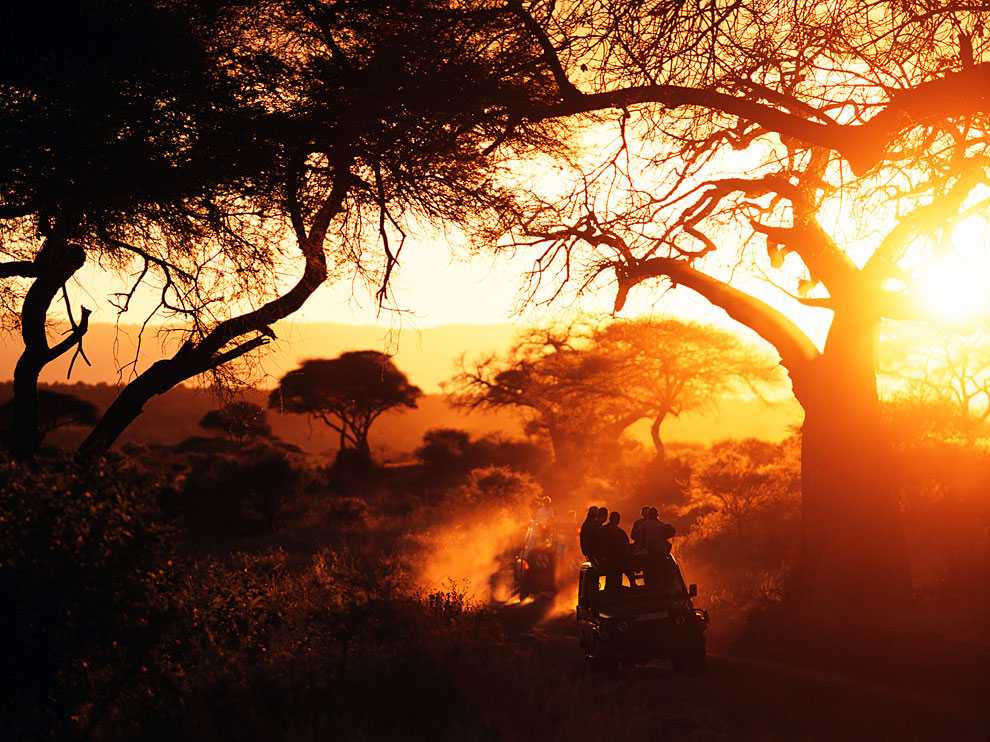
x=741 y=698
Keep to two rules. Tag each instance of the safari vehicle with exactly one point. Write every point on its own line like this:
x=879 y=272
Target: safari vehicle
x=639 y=623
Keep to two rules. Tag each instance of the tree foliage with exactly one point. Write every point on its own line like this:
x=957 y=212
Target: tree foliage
x=348 y=393
x=584 y=384
x=190 y=173
x=55 y=410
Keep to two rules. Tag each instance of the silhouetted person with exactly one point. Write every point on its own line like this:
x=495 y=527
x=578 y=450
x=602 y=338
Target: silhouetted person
x=654 y=535
x=589 y=533
x=615 y=553
x=635 y=533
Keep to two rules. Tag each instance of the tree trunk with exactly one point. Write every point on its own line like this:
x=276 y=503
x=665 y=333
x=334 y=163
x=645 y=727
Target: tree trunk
x=853 y=548
x=159 y=378
x=56 y=261
x=661 y=453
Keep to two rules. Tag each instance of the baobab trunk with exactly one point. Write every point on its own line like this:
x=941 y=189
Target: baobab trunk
x=853 y=539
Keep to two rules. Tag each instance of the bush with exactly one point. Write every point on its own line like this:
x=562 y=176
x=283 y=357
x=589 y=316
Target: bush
x=238 y=494
x=81 y=552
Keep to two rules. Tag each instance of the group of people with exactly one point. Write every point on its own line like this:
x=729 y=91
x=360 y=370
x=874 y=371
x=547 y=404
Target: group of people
x=608 y=548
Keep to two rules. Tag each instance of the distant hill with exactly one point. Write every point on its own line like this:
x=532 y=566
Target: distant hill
x=428 y=355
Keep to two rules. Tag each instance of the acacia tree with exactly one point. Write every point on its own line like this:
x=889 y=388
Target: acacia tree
x=945 y=373
x=670 y=367
x=348 y=393
x=55 y=410
x=563 y=390
x=194 y=147
x=815 y=146
x=584 y=384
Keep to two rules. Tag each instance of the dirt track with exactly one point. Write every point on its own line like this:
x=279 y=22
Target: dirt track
x=757 y=699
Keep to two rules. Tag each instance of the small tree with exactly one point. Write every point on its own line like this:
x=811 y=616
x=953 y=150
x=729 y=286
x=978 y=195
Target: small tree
x=348 y=393
x=238 y=420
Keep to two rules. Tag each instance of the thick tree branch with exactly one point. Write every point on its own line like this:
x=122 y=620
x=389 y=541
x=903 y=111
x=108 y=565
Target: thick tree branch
x=18 y=268
x=794 y=347
x=195 y=358
x=959 y=93
x=923 y=219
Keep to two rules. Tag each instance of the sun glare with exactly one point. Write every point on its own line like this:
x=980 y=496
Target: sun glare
x=952 y=285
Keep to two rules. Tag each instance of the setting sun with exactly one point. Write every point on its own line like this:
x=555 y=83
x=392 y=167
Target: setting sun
x=951 y=285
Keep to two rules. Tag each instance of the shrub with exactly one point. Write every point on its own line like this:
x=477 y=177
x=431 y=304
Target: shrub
x=79 y=552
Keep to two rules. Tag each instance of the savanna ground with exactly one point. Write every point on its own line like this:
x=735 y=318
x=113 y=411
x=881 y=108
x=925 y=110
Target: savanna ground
x=230 y=590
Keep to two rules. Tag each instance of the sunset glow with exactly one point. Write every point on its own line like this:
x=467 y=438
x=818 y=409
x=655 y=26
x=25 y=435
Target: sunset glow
x=950 y=286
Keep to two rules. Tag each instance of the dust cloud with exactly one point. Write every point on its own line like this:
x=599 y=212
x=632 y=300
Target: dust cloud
x=465 y=551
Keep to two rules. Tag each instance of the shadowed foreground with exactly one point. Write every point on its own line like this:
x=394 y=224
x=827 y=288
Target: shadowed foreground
x=739 y=697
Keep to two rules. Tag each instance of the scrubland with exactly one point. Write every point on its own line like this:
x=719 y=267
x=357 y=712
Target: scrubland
x=231 y=590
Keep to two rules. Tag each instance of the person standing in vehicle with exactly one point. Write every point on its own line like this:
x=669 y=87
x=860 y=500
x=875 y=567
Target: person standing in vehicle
x=589 y=533
x=655 y=534
x=615 y=553
x=636 y=533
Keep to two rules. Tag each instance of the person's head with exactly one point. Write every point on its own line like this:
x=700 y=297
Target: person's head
x=653 y=514
x=593 y=513
x=645 y=511
x=613 y=518
x=602 y=515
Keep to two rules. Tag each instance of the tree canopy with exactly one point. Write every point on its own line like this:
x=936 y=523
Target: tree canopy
x=191 y=150
x=584 y=384
x=348 y=393
x=785 y=161
x=55 y=410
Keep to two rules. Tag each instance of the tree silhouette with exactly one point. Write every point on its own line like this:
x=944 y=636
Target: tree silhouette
x=110 y=124
x=564 y=391
x=182 y=146
x=239 y=420
x=948 y=375
x=348 y=393
x=672 y=367
x=815 y=150
x=583 y=385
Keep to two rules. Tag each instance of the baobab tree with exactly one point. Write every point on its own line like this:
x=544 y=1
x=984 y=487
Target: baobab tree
x=811 y=147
